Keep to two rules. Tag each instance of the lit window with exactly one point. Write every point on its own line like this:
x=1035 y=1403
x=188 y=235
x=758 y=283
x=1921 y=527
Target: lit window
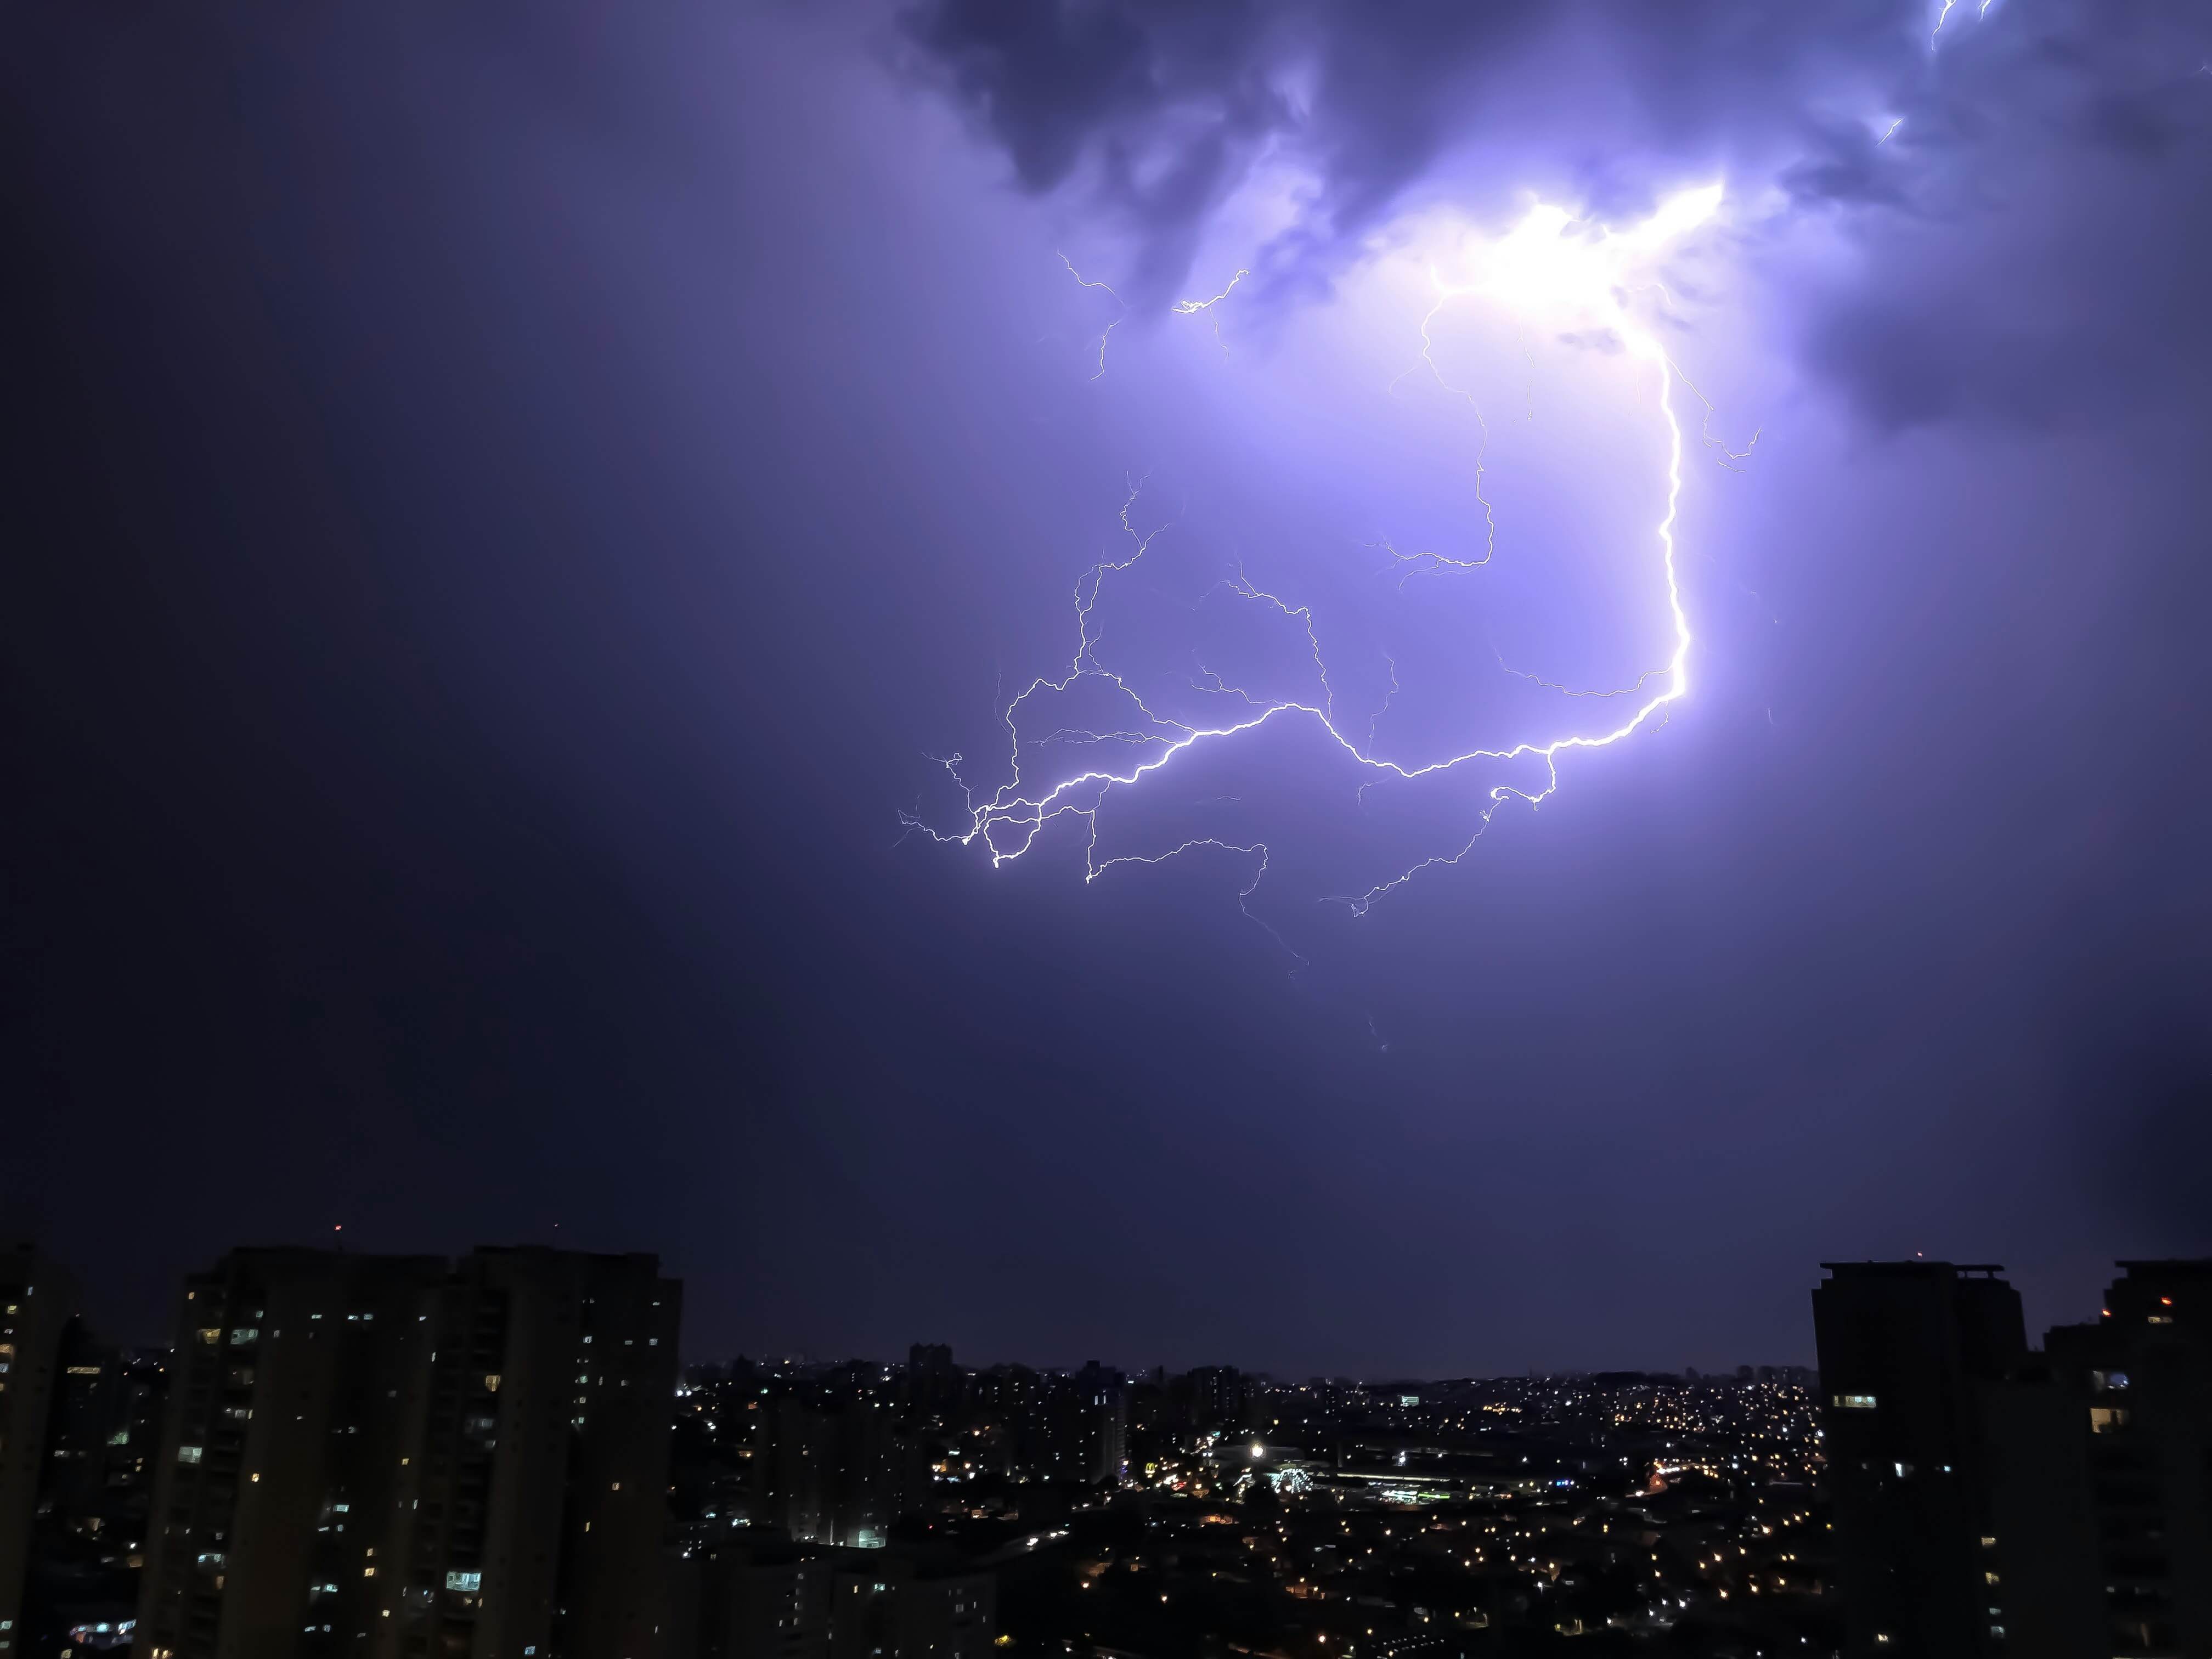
x=188 y=1454
x=210 y=1334
x=468 y=1582
x=2103 y=1420
x=1856 y=1402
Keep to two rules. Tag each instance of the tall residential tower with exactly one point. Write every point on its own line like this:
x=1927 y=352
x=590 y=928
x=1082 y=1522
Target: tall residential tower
x=394 y=1457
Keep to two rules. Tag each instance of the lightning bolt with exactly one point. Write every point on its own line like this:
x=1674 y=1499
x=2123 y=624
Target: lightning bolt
x=1425 y=562
x=1008 y=820
x=1192 y=308
x=1111 y=326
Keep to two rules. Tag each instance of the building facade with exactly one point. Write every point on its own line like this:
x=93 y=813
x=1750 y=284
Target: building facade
x=1908 y=1353
x=2051 y=1504
x=2134 y=1388
x=38 y=1315
x=401 y=1457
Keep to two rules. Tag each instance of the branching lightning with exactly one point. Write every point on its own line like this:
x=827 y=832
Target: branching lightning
x=1547 y=259
x=1425 y=562
x=1193 y=308
x=1111 y=326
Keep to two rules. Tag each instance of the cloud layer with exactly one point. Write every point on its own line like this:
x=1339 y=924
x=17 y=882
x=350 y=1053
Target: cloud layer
x=1963 y=165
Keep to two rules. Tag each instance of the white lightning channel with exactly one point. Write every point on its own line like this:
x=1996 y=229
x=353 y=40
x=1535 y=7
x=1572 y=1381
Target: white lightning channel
x=1111 y=326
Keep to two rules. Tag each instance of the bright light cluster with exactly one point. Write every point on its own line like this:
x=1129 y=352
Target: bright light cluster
x=1551 y=269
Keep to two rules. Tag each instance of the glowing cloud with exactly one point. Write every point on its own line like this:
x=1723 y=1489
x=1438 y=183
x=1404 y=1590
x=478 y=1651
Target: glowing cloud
x=1550 y=269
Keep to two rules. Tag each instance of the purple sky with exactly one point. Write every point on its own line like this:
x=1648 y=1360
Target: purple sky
x=506 y=503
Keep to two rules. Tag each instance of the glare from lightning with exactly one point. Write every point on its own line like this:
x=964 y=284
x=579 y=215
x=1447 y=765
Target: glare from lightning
x=1548 y=265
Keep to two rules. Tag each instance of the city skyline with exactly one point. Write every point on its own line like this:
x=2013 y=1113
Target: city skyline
x=499 y=1455
x=101 y=1302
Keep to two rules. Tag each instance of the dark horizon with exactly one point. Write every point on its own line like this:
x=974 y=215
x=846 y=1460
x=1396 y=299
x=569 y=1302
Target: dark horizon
x=510 y=510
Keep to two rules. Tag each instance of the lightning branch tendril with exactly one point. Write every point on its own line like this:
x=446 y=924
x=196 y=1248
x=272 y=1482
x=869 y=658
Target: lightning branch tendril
x=1193 y=308
x=1111 y=326
x=1535 y=260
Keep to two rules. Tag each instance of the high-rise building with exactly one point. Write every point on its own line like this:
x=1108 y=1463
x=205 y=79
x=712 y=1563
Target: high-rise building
x=1218 y=1398
x=2135 y=1392
x=1909 y=1351
x=932 y=1386
x=392 y=1456
x=1991 y=1498
x=294 y=1407
x=543 y=1477
x=38 y=1312
x=87 y=1540
x=1102 y=1413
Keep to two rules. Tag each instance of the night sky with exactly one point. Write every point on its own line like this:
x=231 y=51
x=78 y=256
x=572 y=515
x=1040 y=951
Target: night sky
x=507 y=506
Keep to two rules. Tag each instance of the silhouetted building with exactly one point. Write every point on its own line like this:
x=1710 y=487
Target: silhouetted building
x=544 y=1476
x=758 y=1597
x=1908 y=1351
x=933 y=1384
x=900 y=1604
x=297 y=1376
x=769 y=1596
x=832 y=1467
x=1991 y=1498
x=38 y=1312
x=1102 y=1406
x=2136 y=1391
x=389 y=1455
x=88 y=1538
x=1218 y=1398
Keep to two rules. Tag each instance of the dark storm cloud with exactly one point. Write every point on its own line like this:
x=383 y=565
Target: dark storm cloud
x=2028 y=118
x=1369 y=95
